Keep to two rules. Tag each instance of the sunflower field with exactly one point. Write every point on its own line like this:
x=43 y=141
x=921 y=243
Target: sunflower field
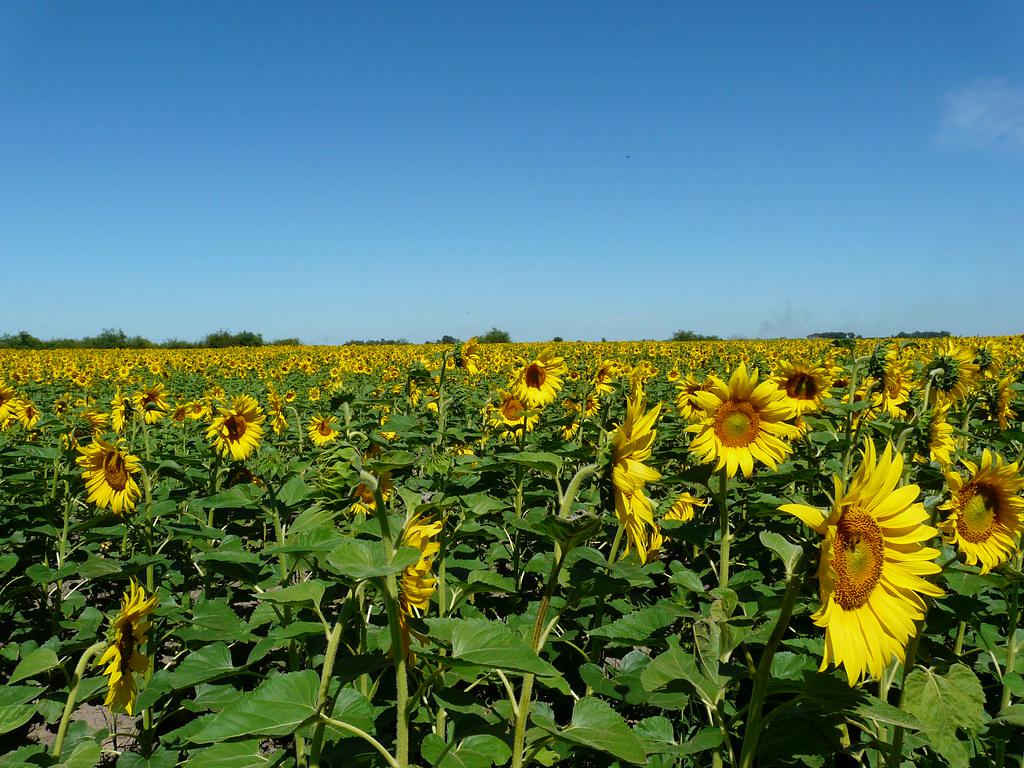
x=741 y=554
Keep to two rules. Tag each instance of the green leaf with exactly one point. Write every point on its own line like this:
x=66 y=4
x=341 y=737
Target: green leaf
x=478 y=751
x=86 y=754
x=789 y=553
x=596 y=725
x=277 y=708
x=638 y=626
x=294 y=491
x=943 y=704
x=360 y=559
x=549 y=463
x=235 y=754
x=493 y=645
x=352 y=707
x=241 y=496
x=35 y=663
x=208 y=663
x=676 y=666
x=1011 y=715
x=14 y=716
x=304 y=592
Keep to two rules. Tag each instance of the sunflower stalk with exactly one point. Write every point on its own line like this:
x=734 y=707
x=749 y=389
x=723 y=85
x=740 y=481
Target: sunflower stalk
x=723 y=526
x=754 y=727
x=69 y=705
x=1011 y=639
x=522 y=710
x=398 y=650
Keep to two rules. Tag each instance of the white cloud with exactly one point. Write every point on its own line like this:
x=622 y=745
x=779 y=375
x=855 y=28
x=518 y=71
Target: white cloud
x=985 y=113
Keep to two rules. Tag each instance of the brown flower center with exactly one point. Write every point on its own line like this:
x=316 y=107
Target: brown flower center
x=979 y=513
x=736 y=424
x=235 y=425
x=802 y=386
x=857 y=557
x=512 y=409
x=114 y=471
x=325 y=429
x=535 y=376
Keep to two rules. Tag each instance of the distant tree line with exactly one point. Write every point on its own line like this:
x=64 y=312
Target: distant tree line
x=922 y=334
x=691 y=336
x=111 y=338
x=834 y=335
x=374 y=342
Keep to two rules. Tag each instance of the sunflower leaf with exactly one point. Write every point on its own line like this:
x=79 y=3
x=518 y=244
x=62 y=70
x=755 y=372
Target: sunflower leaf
x=277 y=708
x=943 y=704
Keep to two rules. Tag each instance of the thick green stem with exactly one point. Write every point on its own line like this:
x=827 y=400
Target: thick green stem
x=1011 y=640
x=342 y=726
x=754 y=724
x=723 y=526
x=896 y=754
x=69 y=705
x=398 y=649
x=321 y=698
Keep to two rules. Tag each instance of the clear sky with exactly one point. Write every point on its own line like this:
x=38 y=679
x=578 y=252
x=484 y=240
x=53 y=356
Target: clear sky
x=336 y=171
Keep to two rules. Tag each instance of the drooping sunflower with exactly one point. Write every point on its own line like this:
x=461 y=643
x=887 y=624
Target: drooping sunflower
x=28 y=414
x=511 y=413
x=121 y=410
x=323 y=430
x=8 y=402
x=151 y=403
x=237 y=431
x=686 y=397
x=806 y=385
x=122 y=657
x=743 y=421
x=985 y=512
x=936 y=437
x=538 y=383
x=890 y=389
x=108 y=473
x=365 y=500
x=1004 y=402
x=873 y=560
x=607 y=371
x=468 y=356
x=417 y=583
x=631 y=447
x=952 y=371
x=684 y=507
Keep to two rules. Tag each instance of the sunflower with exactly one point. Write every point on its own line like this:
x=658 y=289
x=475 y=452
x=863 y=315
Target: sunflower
x=417 y=583
x=366 y=501
x=743 y=421
x=987 y=358
x=631 y=447
x=806 y=385
x=323 y=430
x=121 y=410
x=197 y=410
x=539 y=381
x=952 y=371
x=510 y=414
x=468 y=356
x=890 y=390
x=108 y=476
x=1004 y=402
x=686 y=397
x=28 y=414
x=237 y=431
x=683 y=507
x=606 y=372
x=873 y=558
x=8 y=402
x=936 y=437
x=151 y=403
x=123 y=657
x=984 y=520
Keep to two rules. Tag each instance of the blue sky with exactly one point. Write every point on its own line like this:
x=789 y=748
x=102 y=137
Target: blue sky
x=336 y=171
